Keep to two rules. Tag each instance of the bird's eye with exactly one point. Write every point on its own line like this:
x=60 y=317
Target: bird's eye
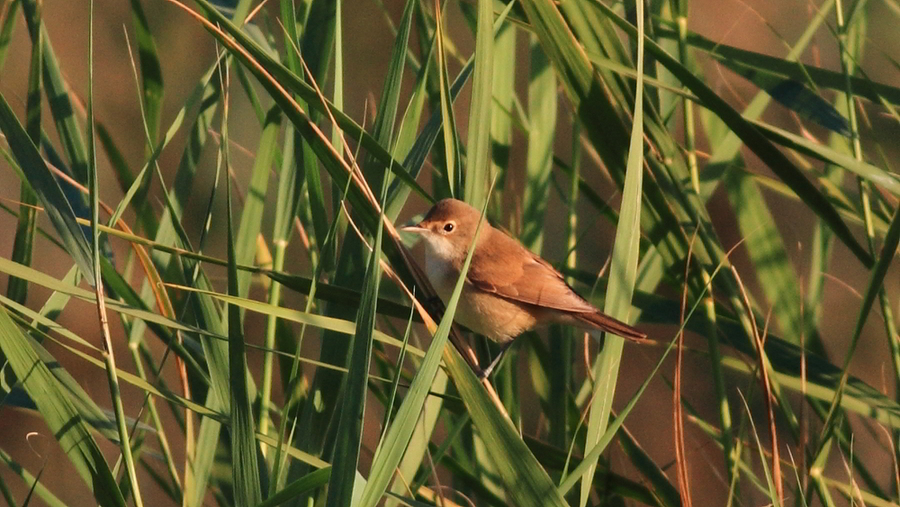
x=448 y=227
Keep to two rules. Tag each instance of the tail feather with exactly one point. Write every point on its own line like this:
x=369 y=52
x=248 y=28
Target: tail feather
x=603 y=322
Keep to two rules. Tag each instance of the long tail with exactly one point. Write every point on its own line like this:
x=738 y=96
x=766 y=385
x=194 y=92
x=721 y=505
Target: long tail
x=603 y=322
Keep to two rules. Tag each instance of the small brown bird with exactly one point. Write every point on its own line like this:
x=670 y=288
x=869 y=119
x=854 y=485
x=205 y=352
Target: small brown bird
x=508 y=289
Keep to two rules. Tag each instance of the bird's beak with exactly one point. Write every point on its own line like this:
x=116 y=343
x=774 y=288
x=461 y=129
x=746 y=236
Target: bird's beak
x=414 y=228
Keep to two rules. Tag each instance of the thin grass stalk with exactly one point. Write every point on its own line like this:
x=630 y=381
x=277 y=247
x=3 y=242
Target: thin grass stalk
x=338 y=83
x=681 y=21
x=150 y=108
x=681 y=464
x=198 y=465
x=286 y=204
x=690 y=130
x=590 y=458
x=342 y=486
x=766 y=392
x=771 y=492
x=829 y=426
x=454 y=176
x=286 y=207
x=161 y=437
x=285 y=437
x=850 y=53
x=108 y=354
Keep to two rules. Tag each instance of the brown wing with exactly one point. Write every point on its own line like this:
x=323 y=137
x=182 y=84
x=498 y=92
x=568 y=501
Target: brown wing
x=522 y=277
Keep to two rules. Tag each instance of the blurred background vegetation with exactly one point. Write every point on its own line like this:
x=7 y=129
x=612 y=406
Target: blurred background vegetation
x=195 y=161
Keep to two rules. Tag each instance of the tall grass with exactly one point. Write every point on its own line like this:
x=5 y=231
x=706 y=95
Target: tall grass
x=268 y=338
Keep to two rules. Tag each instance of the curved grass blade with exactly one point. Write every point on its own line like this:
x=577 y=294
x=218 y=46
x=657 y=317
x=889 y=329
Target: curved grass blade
x=765 y=150
x=786 y=69
x=36 y=486
x=874 y=288
x=306 y=484
x=57 y=410
x=525 y=480
x=26 y=223
x=885 y=180
x=125 y=444
x=294 y=84
x=88 y=410
x=45 y=185
x=151 y=72
x=795 y=96
x=58 y=96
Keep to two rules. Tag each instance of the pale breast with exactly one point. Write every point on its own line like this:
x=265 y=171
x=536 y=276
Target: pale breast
x=441 y=275
x=497 y=318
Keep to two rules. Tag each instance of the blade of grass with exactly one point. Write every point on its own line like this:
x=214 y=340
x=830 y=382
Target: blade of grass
x=525 y=480
x=453 y=176
x=504 y=99
x=788 y=70
x=478 y=146
x=56 y=408
x=542 y=105
x=298 y=488
x=61 y=106
x=37 y=487
x=623 y=271
x=754 y=140
x=250 y=53
x=109 y=357
x=873 y=290
x=385 y=118
x=343 y=485
x=244 y=466
x=875 y=175
x=286 y=203
x=254 y=204
x=151 y=100
x=45 y=185
x=26 y=224
x=153 y=89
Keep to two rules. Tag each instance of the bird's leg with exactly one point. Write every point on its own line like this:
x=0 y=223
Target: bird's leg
x=434 y=305
x=485 y=373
